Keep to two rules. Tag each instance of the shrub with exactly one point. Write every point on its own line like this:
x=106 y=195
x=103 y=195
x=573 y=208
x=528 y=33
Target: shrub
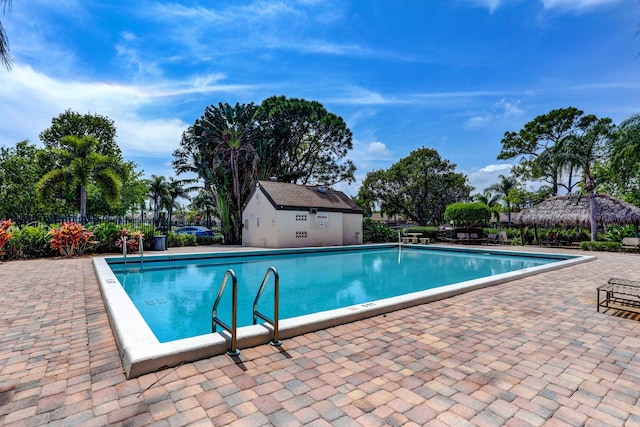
x=106 y=234
x=616 y=233
x=180 y=239
x=377 y=232
x=132 y=237
x=467 y=213
x=600 y=246
x=30 y=241
x=71 y=238
x=5 y=234
x=210 y=240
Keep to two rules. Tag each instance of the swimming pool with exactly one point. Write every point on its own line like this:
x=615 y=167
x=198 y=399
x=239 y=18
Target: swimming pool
x=175 y=297
x=354 y=282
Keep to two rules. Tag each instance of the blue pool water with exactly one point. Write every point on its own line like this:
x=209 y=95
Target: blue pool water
x=175 y=297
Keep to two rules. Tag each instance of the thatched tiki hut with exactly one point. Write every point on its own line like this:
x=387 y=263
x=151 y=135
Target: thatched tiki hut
x=576 y=211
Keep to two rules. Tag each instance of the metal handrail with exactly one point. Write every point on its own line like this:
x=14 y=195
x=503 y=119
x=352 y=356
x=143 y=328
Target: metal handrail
x=215 y=320
x=141 y=249
x=276 y=303
x=124 y=252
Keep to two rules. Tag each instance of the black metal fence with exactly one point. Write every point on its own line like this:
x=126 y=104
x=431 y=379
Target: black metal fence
x=29 y=219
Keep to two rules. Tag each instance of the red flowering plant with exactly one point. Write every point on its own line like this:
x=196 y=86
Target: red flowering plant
x=5 y=235
x=132 y=237
x=71 y=239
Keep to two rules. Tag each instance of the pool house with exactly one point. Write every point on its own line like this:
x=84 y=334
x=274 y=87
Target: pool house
x=283 y=215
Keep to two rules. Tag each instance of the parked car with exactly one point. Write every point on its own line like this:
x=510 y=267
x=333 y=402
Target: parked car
x=196 y=230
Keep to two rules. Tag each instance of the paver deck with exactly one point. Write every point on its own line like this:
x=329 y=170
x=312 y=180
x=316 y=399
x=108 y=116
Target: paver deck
x=530 y=352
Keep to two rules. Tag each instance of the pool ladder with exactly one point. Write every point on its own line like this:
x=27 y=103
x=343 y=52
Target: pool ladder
x=124 y=250
x=216 y=321
x=276 y=304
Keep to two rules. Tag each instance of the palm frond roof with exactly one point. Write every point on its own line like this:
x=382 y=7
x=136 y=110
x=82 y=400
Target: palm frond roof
x=576 y=210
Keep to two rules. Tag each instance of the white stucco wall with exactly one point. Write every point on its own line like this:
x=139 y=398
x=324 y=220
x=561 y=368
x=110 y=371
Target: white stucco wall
x=266 y=227
x=352 y=229
x=259 y=220
x=302 y=228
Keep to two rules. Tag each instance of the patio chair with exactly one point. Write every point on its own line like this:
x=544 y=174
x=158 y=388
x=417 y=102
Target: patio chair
x=462 y=237
x=503 y=239
x=492 y=239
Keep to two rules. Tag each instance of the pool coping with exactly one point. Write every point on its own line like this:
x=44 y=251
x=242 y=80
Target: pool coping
x=142 y=353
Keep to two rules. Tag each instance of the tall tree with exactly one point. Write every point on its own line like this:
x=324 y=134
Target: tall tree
x=80 y=164
x=158 y=192
x=230 y=147
x=219 y=148
x=300 y=141
x=620 y=172
x=419 y=186
x=538 y=146
x=5 y=55
x=21 y=167
x=175 y=190
x=75 y=124
x=487 y=197
x=205 y=201
x=133 y=194
x=502 y=189
x=584 y=151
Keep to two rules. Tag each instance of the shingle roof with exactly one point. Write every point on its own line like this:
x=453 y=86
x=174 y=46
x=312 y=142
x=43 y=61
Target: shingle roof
x=285 y=196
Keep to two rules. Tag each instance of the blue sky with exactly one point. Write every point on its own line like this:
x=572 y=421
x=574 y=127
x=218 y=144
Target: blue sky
x=453 y=75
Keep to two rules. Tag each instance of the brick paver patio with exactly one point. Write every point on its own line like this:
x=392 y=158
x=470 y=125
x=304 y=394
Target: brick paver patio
x=530 y=352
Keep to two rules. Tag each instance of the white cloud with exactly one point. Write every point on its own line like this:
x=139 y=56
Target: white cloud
x=503 y=111
x=487 y=175
x=378 y=150
x=366 y=153
x=492 y=5
x=354 y=95
x=561 y=5
x=577 y=5
x=30 y=100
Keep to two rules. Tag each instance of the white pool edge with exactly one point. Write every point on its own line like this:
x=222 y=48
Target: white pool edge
x=141 y=353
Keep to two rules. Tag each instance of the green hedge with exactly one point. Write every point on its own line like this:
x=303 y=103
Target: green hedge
x=376 y=232
x=180 y=239
x=210 y=240
x=600 y=246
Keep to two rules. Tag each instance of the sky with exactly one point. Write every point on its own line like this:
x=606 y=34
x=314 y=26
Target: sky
x=453 y=75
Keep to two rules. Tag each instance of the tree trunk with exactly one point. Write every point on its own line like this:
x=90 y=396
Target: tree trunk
x=594 y=215
x=83 y=204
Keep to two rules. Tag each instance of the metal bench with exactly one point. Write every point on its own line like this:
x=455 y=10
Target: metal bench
x=630 y=244
x=620 y=294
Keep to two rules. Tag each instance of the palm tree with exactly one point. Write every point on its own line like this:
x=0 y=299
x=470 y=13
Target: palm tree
x=204 y=200
x=583 y=151
x=232 y=135
x=502 y=189
x=489 y=199
x=79 y=165
x=158 y=192
x=625 y=158
x=486 y=197
x=175 y=190
x=5 y=55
